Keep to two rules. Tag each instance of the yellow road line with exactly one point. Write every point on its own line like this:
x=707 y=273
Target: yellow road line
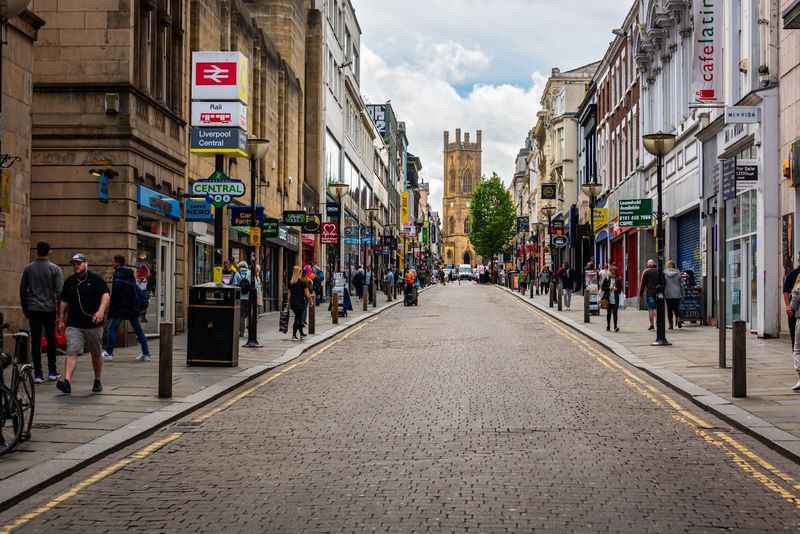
x=141 y=454
x=724 y=442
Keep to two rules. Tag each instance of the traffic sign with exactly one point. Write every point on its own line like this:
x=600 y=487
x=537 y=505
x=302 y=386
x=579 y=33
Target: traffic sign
x=559 y=241
x=219 y=76
x=636 y=212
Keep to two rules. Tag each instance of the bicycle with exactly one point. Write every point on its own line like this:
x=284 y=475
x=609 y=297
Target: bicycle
x=18 y=397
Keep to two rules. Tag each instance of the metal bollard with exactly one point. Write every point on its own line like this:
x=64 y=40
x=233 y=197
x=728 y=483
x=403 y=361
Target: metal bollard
x=312 y=317
x=739 y=359
x=335 y=307
x=560 y=295
x=365 y=297
x=165 y=361
x=552 y=293
x=373 y=289
x=586 y=300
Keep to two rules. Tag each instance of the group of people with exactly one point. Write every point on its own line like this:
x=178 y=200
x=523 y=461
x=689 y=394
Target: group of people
x=77 y=309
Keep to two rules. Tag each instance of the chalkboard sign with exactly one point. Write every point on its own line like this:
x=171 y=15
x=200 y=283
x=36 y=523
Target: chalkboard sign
x=692 y=305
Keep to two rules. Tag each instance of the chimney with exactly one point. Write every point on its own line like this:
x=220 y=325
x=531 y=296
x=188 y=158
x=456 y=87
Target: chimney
x=458 y=136
x=466 y=138
x=478 y=141
x=446 y=138
x=555 y=72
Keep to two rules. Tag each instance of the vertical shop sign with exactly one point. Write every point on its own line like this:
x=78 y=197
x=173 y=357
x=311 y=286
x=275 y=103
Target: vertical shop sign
x=707 y=70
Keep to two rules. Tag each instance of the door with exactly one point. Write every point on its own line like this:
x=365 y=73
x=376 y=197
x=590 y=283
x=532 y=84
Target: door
x=631 y=265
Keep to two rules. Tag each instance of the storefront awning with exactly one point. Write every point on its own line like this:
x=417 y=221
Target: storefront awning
x=602 y=235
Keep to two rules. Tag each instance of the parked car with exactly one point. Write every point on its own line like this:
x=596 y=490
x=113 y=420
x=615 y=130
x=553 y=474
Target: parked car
x=465 y=273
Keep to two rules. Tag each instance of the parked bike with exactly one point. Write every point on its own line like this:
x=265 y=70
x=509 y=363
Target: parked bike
x=17 y=395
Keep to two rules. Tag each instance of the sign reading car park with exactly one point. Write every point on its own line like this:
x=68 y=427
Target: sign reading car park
x=219 y=114
x=210 y=141
x=558 y=241
x=218 y=189
x=219 y=76
x=636 y=212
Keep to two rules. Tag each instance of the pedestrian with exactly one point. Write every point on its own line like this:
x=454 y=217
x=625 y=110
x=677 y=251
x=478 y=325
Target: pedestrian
x=143 y=282
x=39 y=291
x=84 y=302
x=673 y=292
x=126 y=304
x=358 y=282
x=298 y=298
x=544 y=279
x=228 y=272
x=567 y=277
x=390 y=280
x=243 y=278
x=791 y=297
x=648 y=288
x=612 y=290
x=604 y=273
x=308 y=276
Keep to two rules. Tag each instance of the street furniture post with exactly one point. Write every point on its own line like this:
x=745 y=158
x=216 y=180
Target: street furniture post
x=312 y=316
x=335 y=307
x=165 y=354
x=586 y=299
x=739 y=359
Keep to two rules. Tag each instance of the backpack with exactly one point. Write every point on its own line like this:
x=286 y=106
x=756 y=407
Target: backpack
x=245 y=285
x=142 y=298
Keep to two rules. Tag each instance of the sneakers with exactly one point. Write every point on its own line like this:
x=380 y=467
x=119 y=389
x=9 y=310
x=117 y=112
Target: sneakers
x=144 y=358
x=37 y=377
x=52 y=377
x=97 y=387
x=64 y=386
x=107 y=357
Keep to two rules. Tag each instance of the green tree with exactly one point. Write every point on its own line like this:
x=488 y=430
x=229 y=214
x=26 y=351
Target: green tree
x=493 y=218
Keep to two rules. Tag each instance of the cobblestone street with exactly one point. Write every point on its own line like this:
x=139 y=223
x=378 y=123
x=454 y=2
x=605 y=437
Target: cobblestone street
x=469 y=413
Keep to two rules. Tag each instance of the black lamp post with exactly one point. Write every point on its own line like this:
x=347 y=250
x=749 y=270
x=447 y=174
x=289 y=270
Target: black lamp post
x=339 y=189
x=660 y=144
x=257 y=148
x=592 y=190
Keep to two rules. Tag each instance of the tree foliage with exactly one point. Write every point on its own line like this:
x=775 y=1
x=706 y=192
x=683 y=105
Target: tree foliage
x=493 y=218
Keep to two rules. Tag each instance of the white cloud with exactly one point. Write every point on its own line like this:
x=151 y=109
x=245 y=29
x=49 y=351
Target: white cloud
x=430 y=104
x=450 y=61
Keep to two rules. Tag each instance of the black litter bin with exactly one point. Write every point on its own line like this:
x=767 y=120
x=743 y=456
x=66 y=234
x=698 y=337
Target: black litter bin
x=213 y=325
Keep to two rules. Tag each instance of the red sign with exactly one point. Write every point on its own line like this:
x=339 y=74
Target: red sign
x=213 y=119
x=330 y=233
x=221 y=73
x=309 y=239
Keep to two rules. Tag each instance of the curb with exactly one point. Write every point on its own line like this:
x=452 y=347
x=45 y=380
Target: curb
x=24 y=484
x=779 y=440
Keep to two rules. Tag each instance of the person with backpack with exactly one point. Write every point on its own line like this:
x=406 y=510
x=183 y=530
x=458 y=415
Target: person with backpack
x=127 y=302
x=791 y=297
x=244 y=279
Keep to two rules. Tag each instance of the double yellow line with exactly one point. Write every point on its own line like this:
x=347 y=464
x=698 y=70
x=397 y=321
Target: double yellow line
x=152 y=448
x=766 y=474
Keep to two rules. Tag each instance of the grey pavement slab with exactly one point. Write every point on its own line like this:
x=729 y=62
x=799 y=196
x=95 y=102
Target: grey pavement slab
x=70 y=431
x=690 y=365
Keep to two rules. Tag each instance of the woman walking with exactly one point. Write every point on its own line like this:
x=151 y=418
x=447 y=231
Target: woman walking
x=612 y=289
x=673 y=292
x=298 y=297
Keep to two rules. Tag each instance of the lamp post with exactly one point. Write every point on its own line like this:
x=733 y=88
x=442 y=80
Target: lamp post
x=659 y=144
x=257 y=148
x=339 y=189
x=372 y=210
x=549 y=210
x=592 y=190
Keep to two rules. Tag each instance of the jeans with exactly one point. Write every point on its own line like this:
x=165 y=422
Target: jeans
x=612 y=312
x=47 y=321
x=113 y=325
x=298 y=312
x=244 y=315
x=673 y=306
x=567 y=297
x=792 y=326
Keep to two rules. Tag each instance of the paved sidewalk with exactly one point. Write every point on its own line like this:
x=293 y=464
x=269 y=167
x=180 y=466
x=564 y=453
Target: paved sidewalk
x=771 y=411
x=64 y=423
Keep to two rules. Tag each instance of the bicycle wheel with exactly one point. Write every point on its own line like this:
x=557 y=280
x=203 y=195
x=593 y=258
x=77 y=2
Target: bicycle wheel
x=11 y=421
x=27 y=398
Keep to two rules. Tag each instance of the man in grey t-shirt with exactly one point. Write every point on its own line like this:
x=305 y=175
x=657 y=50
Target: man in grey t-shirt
x=39 y=290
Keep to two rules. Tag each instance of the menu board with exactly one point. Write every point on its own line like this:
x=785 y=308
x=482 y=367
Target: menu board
x=692 y=305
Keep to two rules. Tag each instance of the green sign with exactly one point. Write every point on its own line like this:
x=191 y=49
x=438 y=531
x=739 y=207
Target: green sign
x=636 y=213
x=294 y=218
x=218 y=189
x=270 y=227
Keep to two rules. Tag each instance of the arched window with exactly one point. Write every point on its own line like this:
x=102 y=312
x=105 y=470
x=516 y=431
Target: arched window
x=452 y=225
x=466 y=225
x=453 y=182
x=466 y=182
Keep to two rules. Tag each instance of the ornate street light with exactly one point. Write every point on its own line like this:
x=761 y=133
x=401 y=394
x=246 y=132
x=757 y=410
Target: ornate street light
x=592 y=190
x=660 y=144
x=338 y=189
x=257 y=149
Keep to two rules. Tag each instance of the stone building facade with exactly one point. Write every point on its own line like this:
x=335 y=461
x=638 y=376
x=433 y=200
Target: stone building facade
x=462 y=174
x=15 y=160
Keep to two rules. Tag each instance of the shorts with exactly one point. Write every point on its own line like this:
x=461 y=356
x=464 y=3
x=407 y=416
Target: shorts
x=81 y=340
x=651 y=303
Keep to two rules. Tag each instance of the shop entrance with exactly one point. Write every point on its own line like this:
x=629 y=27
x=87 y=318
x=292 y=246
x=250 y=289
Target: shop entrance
x=155 y=270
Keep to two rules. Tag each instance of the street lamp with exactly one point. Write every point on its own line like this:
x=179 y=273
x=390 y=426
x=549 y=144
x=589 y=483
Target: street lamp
x=257 y=148
x=659 y=144
x=338 y=189
x=592 y=190
x=372 y=210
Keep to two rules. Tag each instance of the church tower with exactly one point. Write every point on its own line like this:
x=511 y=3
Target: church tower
x=462 y=174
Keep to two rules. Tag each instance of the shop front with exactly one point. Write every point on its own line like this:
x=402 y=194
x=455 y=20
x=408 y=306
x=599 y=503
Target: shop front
x=155 y=255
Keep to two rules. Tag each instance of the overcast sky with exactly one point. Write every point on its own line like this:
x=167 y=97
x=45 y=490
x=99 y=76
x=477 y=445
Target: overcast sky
x=475 y=64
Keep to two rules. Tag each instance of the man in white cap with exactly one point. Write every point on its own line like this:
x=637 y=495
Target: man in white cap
x=244 y=279
x=84 y=302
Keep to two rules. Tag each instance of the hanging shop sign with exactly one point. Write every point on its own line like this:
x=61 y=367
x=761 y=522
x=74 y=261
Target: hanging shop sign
x=212 y=141
x=330 y=233
x=218 y=189
x=600 y=218
x=729 y=179
x=549 y=192
x=270 y=228
x=742 y=115
x=404 y=208
x=707 y=68
x=197 y=211
x=219 y=114
x=636 y=213
x=219 y=76
x=240 y=215
x=255 y=236
x=559 y=241
x=313 y=223
x=308 y=240
x=294 y=218
x=746 y=174
x=147 y=199
x=523 y=224
x=332 y=210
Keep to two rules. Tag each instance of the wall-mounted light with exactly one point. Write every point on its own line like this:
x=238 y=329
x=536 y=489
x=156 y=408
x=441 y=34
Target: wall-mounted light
x=103 y=176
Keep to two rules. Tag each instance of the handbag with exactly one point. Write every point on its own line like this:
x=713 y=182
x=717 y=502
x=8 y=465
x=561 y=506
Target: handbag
x=283 y=323
x=604 y=303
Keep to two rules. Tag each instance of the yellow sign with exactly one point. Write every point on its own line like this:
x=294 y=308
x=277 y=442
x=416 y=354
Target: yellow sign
x=404 y=211
x=217 y=275
x=409 y=246
x=5 y=190
x=255 y=236
x=600 y=218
